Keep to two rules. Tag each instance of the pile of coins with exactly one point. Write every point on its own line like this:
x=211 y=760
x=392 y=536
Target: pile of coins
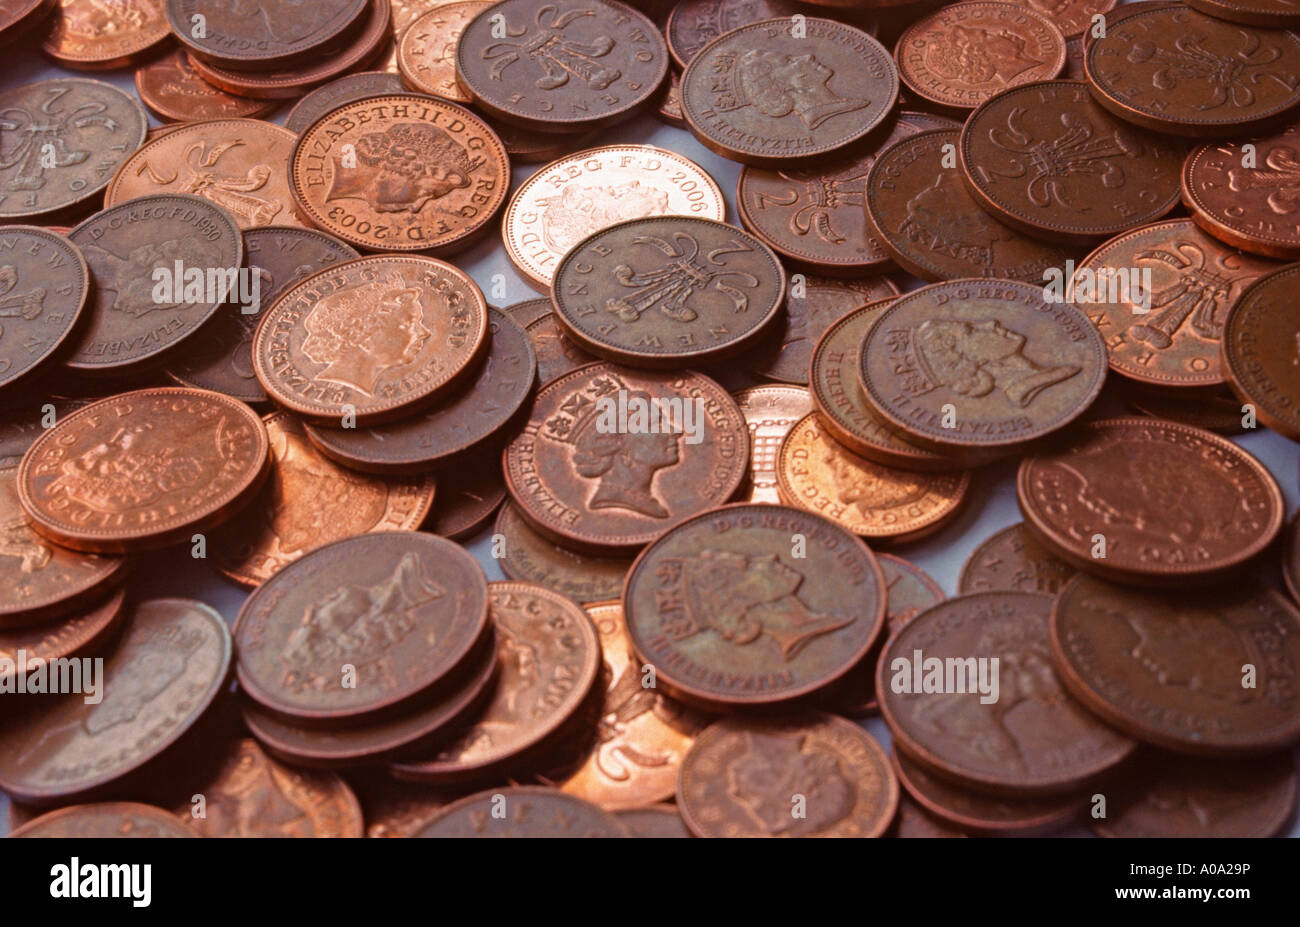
x=1048 y=239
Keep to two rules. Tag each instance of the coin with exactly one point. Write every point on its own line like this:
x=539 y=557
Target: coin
x=776 y=93
x=92 y=36
x=912 y=822
x=770 y=412
x=22 y=420
x=1220 y=411
x=336 y=93
x=692 y=24
x=352 y=174
x=1072 y=17
x=531 y=147
x=921 y=212
x=168 y=666
x=426 y=49
x=468 y=495
x=1178 y=669
x=529 y=557
x=739 y=778
x=1073 y=58
x=1186 y=73
x=1279 y=14
x=280 y=256
x=406 y=12
x=44 y=284
x=529 y=311
x=588 y=480
x=324 y=352
x=1261 y=351
x=670 y=111
x=1012 y=561
x=1111 y=483
x=656 y=821
x=583 y=193
x=93 y=127
x=393 y=808
x=1291 y=559
x=273 y=34
x=176 y=93
x=569 y=64
x=1051 y=746
x=142 y=470
x=107 y=819
x=556 y=352
x=523 y=812
x=76 y=632
x=307 y=502
x=402 y=610
x=987 y=365
x=20 y=20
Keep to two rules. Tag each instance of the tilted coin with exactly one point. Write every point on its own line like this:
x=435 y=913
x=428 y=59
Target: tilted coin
x=426 y=49
x=670 y=111
x=529 y=311
x=692 y=24
x=1261 y=351
x=76 y=632
x=770 y=412
x=174 y=90
x=655 y=821
x=529 y=557
x=914 y=823
x=1279 y=14
x=468 y=494
x=525 y=811
x=393 y=808
x=91 y=36
x=23 y=420
x=336 y=93
x=22 y=19
x=107 y=819
x=1219 y=411
x=1013 y=561
x=1072 y=17
x=556 y=352
x=273 y=34
x=44 y=285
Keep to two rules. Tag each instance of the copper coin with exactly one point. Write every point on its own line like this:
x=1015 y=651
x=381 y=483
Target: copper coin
x=22 y=420
x=1291 y=559
x=770 y=412
x=880 y=503
x=1047 y=160
x=1112 y=480
x=426 y=49
x=1159 y=296
x=1261 y=351
x=272 y=34
x=92 y=127
x=549 y=656
x=556 y=352
x=176 y=93
x=529 y=812
x=336 y=93
x=531 y=147
x=920 y=210
x=1179 y=71
x=913 y=823
x=168 y=666
x=529 y=557
x=588 y=480
x=568 y=64
x=656 y=821
x=44 y=284
x=370 y=340
x=79 y=632
x=1027 y=739
x=142 y=470
x=583 y=193
x=670 y=111
x=1012 y=561
x=1073 y=58
x=1220 y=411
x=468 y=495
x=406 y=12
x=1277 y=14
x=107 y=819
x=529 y=311
x=280 y=256
x=20 y=20
x=353 y=176
x=960 y=56
x=984 y=365
x=1072 y=17
x=93 y=36
x=309 y=501
x=402 y=609
x=1178 y=670
x=1180 y=796
x=743 y=775
x=692 y=24
x=393 y=808
x=763 y=96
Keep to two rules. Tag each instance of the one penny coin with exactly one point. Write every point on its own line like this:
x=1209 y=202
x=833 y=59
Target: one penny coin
x=339 y=92
x=274 y=34
x=1011 y=560
x=1261 y=351
x=692 y=24
x=770 y=412
x=523 y=811
x=107 y=819
x=176 y=93
x=426 y=49
x=529 y=557
x=44 y=285
x=88 y=36
x=76 y=632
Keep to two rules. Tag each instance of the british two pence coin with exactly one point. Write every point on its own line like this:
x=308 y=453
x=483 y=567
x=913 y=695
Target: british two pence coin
x=526 y=812
x=106 y=819
x=44 y=285
x=171 y=87
x=426 y=49
x=1261 y=351
x=277 y=33
x=770 y=412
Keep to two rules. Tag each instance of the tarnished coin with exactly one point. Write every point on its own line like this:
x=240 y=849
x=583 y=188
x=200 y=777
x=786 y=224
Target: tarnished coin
x=107 y=819
x=426 y=49
x=668 y=291
x=44 y=285
x=1026 y=737
x=738 y=779
x=778 y=92
x=1220 y=411
x=1108 y=491
x=97 y=126
x=402 y=610
x=272 y=34
x=1278 y=14
x=468 y=495
x=142 y=470
x=23 y=419
x=529 y=557
x=1261 y=350
x=585 y=192
x=608 y=459
x=692 y=24
x=913 y=823
x=556 y=352
x=75 y=632
x=370 y=340
x=336 y=93
x=401 y=172
x=1072 y=17
x=1201 y=672
x=1012 y=561
x=176 y=93
x=770 y=412
x=168 y=666
x=657 y=821
x=529 y=311
x=94 y=36
x=393 y=808
x=525 y=811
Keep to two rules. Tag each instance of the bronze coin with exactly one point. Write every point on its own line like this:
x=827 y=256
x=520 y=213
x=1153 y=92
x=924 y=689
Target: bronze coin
x=142 y=470
x=144 y=256
x=668 y=291
x=922 y=213
x=169 y=664
x=1261 y=351
x=91 y=36
x=556 y=352
x=1012 y=561
x=1047 y=160
x=1073 y=58
x=1220 y=411
x=44 y=285
x=22 y=420
x=670 y=111
x=493 y=393
x=1111 y=483
x=523 y=811
x=393 y=808
x=468 y=495
x=779 y=92
x=75 y=633
x=1028 y=738
x=1179 y=71
x=770 y=412
x=272 y=34
x=93 y=128
x=530 y=147
x=913 y=823
x=656 y=821
x=1291 y=559
x=1072 y=17
x=588 y=480
x=744 y=777
x=1198 y=672
x=529 y=311
x=529 y=557
x=692 y=24
x=1277 y=14
x=20 y=20
x=983 y=365
x=356 y=627
x=171 y=87
x=370 y=340
x=352 y=174
x=280 y=256
x=339 y=92
x=426 y=49
x=568 y=64
x=959 y=56
x=106 y=819
x=307 y=502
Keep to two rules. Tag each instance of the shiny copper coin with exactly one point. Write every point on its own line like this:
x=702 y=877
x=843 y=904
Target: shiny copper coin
x=142 y=470
x=176 y=93
x=1261 y=351
x=1012 y=561
x=556 y=352
x=1220 y=411
x=97 y=127
x=370 y=340
x=770 y=412
x=92 y=36
x=914 y=823
x=595 y=478
x=402 y=609
x=405 y=12
x=1026 y=739
x=1179 y=670
x=78 y=631
x=468 y=495
x=107 y=819
x=336 y=93
x=528 y=811
x=44 y=285
x=692 y=24
x=1112 y=480
x=529 y=557
x=168 y=666
x=273 y=34
x=738 y=779
x=1277 y=14
x=426 y=49
x=1072 y=17
x=656 y=821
